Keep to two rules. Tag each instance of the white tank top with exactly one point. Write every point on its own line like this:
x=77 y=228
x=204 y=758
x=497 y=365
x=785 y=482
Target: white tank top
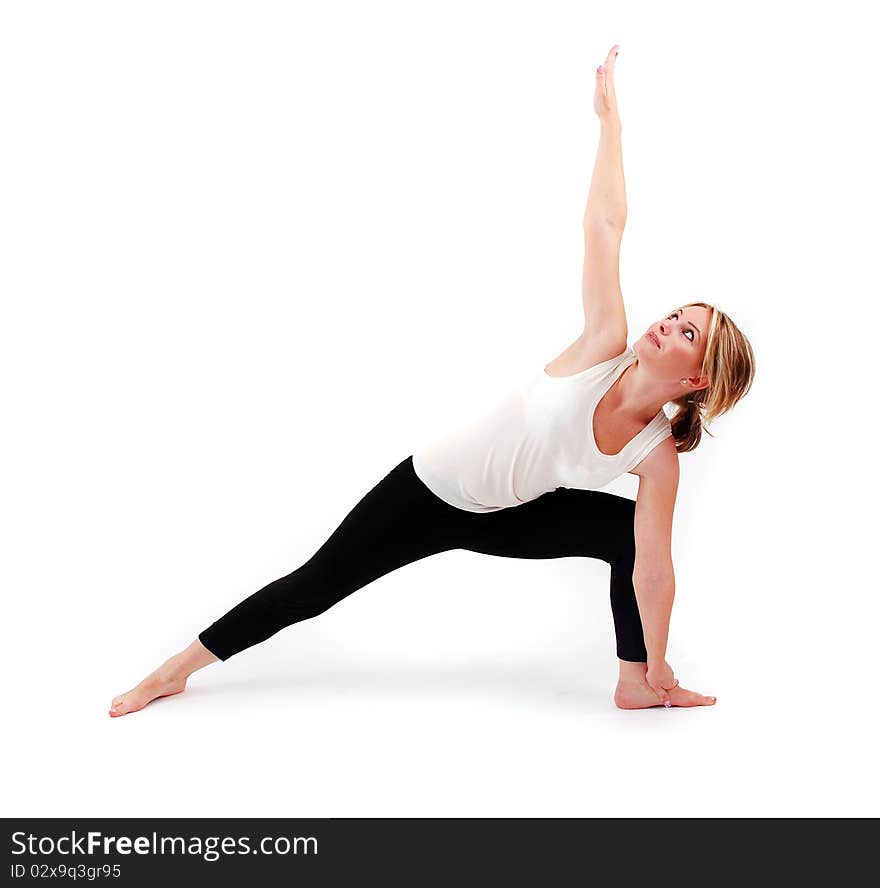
x=533 y=440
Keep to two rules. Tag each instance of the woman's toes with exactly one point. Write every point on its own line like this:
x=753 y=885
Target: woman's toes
x=147 y=691
x=124 y=703
x=117 y=707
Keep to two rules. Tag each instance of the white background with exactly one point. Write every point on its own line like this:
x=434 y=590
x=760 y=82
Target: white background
x=253 y=254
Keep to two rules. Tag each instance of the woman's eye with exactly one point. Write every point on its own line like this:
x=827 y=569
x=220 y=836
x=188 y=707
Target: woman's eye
x=693 y=335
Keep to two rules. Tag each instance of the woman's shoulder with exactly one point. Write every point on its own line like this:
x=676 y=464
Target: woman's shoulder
x=661 y=461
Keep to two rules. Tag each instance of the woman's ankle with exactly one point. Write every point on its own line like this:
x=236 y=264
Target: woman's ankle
x=183 y=664
x=632 y=671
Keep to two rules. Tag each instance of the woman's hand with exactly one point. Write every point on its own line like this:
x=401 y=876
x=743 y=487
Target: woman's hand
x=605 y=99
x=659 y=676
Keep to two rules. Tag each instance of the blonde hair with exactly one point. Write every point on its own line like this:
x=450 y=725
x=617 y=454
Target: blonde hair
x=729 y=365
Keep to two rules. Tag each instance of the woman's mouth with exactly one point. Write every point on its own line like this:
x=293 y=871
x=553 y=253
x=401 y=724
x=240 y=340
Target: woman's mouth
x=654 y=339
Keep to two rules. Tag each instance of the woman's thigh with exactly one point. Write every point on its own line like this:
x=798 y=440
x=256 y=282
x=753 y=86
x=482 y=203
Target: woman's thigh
x=395 y=523
x=558 y=524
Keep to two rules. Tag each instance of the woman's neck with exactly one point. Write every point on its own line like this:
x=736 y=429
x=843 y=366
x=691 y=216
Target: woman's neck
x=636 y=395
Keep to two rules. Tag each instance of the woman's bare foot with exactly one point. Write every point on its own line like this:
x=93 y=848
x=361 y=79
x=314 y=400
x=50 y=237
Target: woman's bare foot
x=170 y=678
x=162 y=683
x=636 y=694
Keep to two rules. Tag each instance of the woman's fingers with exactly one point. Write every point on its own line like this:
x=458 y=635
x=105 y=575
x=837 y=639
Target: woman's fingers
x=611 y=57
x=605 y=72
x=607 y=67
x=664 y=697
x=605 y=99
x=663 y=694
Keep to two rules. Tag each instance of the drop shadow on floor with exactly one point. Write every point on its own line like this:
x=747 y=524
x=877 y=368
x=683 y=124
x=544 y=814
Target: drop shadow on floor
x=536 y=684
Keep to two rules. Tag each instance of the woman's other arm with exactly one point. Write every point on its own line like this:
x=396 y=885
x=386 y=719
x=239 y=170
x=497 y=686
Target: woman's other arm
x=653 y=575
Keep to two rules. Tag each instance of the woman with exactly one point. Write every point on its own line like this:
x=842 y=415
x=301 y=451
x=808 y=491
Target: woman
x=520 y=481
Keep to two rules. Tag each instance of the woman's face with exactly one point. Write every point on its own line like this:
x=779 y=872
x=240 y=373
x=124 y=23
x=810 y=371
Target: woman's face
x=674 y=347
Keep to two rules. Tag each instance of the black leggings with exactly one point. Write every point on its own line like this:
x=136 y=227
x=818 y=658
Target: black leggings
x=401 y=521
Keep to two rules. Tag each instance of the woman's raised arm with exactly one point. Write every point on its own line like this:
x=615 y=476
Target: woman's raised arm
x=604 y=219
x=607 y=199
